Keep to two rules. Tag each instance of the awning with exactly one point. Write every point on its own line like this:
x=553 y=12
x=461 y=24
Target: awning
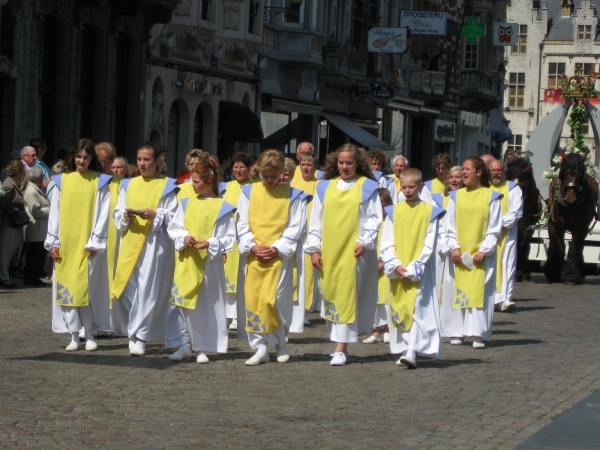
x=289 y=105
x=238 y=123
x=357 y=133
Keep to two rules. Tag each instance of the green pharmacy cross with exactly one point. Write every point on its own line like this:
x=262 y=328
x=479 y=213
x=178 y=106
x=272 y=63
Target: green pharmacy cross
x=472 y=30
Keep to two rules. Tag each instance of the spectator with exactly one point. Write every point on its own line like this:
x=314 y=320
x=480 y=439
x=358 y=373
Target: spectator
x=35 y=231
x=40 y=148
x=120 y=167
x=28 y=157
x=133 y=171
x=56 y=169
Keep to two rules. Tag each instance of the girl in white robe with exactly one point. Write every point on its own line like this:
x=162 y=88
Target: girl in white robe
x=203 y=329
x=96 y=314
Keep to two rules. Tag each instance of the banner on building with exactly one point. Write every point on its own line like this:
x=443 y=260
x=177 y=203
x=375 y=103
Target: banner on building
x=387 y=40
x=553 y=96
x=505 y=34
x=424 y=22
x=445 y=131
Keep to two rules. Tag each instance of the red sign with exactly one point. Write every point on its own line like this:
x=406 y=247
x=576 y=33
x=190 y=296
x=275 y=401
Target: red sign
x=553 y=96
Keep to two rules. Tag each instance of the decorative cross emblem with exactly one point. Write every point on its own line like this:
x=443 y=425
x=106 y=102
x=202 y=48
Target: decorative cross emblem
x=472 y=30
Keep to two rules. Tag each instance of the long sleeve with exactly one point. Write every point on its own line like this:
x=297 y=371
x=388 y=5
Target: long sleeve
x=245 y=237
x=32 y=199
x=515 y=208
x=165 y=211
x=416 y=268
x=450 y=224
x=425 y=195
x=176 y=230
x=119 y=213
x=52 y=239
x=315 y=228
x=371 y=216
x=494 y=229
x=97 y=240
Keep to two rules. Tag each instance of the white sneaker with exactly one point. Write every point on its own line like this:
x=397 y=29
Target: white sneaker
x=400 y=362
x=91 y=346
x=233 y=324
x=131 y=345
x=371 y=340
x=478 y=344
x=338 y=359
x=508 y=306
x=386 y=338
x=72 y=347
x=283 y=355
x=82 y=333
x=202 y=359
x=408 y=360
x=458 y=341
x=257 y=360
x=184 y=352
x=139 y=349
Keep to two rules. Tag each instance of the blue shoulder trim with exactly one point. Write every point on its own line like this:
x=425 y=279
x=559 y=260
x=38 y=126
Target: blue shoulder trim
x=319 y=174
x=452 y=195
x=428 y=184
x=226 y=208
x=496 y=196
x=125 y=183
x=377 y=174
x=295 y=193
x=512 y=185
x=437 y=213
x=322 y=188
x=306 y=197
x=57 y=180
x=184 y=203
x=104 y=180
x=389 y=181
x=390 y=212
x=368 y=187
x=246 y=189
x=438 y=199
x=222 y=188
x=170 y=187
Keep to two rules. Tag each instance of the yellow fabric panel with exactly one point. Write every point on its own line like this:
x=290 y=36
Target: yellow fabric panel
x=445 y=200
x=190 y=263
x=76 y=216
x=502 y=188
x=397 y=184
x=411 y=221
x=437 y=187
x=268 y=213
x=141 y=193
x=341 y=218
x=297 y=176
x=472 y=211
x=186 y=190
x=111 y=240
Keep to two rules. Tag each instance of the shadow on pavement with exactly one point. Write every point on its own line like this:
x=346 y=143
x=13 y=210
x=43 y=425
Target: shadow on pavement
x=506 y=332
x=503 y=322
x=509 y=342
x=519 y=300
x=532 y=308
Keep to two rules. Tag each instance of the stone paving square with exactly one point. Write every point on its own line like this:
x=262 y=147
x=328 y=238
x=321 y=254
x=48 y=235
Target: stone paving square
x=542 y=360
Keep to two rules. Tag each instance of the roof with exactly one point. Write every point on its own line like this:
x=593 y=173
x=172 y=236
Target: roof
x=561 y=28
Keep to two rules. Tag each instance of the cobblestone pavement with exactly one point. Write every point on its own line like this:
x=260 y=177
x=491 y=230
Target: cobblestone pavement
x=543 y=359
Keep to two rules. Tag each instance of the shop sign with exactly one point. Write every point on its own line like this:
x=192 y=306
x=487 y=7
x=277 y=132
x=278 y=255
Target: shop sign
x=382 y=93
x=387 y=40
x=445 y=131
x=469 y=119
x=203 y=87
x=424 y=22
x=505 y=34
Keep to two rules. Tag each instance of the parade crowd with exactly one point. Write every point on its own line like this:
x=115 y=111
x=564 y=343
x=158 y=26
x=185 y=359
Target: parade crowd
x=183 y=262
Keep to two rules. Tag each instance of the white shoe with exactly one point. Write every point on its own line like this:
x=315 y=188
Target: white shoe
x=478 y=344
x=372 y=340
x=139 y=349
x=283 y=355
x=386 y=338
x=131 y=345
x=233 y=324
x=508 y=306
x=72 y=347
x=202 y=359
x=458 y=341
x=258 y=359
x=184 y=352
x=400 y=362
x=306 y=321
x=338 y=359
x=82 y=333
x=91 y=346
x=408 y=360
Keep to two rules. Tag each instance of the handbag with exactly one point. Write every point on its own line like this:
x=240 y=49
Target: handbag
x=18 y=215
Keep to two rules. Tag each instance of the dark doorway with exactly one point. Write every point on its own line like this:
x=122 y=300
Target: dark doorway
x=416 y=143
x=86 y=82
x=121 y=85
x=47 y=84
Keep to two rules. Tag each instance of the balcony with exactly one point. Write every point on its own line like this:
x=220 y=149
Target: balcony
x=297 y=45
x=479 y=91
x=344 y=65
x=426 y=84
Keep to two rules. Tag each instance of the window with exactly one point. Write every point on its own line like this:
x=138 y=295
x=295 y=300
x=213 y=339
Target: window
x=516 y=89
x=521 y=46
x=205 y=12
x=515 y=143
x=555 y=70
x=294 y=14
x=584 y=32
x=586 y=128
x=252 y=16
x=364 y=17
x=471 y=52
x=586 y=68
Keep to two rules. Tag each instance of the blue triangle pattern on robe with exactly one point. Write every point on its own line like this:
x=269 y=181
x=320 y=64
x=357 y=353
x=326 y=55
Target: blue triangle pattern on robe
x=396 y=320
x=330 y=311
x=63 y=296
x=255 y=323
x=229 y=287
x=176 y=299
x=461 y=299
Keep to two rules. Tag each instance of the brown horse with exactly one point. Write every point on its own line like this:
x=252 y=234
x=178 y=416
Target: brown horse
x=572 y=207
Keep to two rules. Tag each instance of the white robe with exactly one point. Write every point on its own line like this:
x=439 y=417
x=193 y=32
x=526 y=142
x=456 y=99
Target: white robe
x=371 y=216
x=467 y=322
x=96 y=315
x=204 y=327
x=509 y=255
x=298 y=307
x=145 y=301
x=286 y=246
x=425 y=336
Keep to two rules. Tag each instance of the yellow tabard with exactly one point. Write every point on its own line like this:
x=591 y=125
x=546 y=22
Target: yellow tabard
x=141 y=193
x=383 y=282
x=437 y=187
x=396 y=181
x=232 y=194
x=503 y=189
x=445 y=199
x=341 y=220
x=190 y=263
x=186 y=190
x=472 y=211
x=111 y=240
x=76 y=216
x=297 y=176
x=411 y=221
x=268 y=213
x=308 y=187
